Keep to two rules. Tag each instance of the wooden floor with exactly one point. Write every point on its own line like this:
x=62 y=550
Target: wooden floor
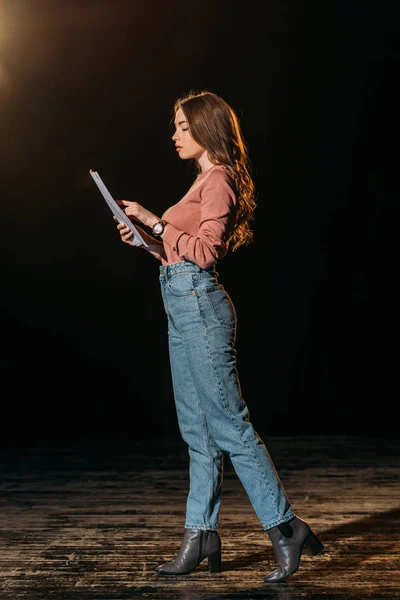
x=91 y=521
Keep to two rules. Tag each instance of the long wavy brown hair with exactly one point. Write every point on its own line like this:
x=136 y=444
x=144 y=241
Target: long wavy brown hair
x=215 y=126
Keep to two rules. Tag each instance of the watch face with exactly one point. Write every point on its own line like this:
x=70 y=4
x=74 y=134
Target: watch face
x=158 y=228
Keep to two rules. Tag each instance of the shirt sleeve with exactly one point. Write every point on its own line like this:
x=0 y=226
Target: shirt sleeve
x=218 y=202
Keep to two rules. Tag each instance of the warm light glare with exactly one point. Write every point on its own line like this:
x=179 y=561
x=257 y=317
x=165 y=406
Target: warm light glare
x=4 y=21
x=4 y=35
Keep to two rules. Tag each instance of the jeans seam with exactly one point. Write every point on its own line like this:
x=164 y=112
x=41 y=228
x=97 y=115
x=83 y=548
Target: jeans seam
x=211 y=460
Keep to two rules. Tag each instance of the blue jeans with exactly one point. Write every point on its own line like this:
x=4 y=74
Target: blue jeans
x=212 y=415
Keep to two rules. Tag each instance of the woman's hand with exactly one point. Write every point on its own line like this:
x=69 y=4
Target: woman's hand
x=124 y=232
x=135 y=211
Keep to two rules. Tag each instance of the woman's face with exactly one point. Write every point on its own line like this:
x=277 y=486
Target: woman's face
x=184 y=143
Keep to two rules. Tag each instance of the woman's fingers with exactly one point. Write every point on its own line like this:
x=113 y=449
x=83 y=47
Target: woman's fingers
x=124 y=231
x=126 y=235
x=120 y=226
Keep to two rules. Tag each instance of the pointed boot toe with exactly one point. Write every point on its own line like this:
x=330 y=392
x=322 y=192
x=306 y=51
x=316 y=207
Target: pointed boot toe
x=287 y=543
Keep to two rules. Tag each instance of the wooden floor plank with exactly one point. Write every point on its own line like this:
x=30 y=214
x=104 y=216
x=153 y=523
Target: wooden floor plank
x=93 y=520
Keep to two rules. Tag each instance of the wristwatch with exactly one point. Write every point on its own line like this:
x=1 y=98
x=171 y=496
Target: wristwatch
x=158 y=228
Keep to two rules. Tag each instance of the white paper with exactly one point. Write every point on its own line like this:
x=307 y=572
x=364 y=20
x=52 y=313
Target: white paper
x=117 y=211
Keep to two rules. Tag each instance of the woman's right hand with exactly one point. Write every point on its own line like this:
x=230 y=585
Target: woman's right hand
x=124 y=232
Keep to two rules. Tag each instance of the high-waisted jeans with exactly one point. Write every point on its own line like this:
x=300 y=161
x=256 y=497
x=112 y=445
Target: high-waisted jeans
x=213 y=418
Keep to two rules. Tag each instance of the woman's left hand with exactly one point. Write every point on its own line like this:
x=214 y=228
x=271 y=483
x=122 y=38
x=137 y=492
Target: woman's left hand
x=134 y=210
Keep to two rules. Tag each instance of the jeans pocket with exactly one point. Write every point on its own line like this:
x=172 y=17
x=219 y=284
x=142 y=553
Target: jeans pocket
x=221 y=306
x=181 y=284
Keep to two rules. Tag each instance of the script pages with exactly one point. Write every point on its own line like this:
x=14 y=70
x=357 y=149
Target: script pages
x=117 y=211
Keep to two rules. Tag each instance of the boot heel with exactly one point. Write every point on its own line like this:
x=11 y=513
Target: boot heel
x=214 y=562
x=313 y=543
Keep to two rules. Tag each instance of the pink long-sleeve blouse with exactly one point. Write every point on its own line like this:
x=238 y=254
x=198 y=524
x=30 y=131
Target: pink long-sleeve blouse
x=201 y=222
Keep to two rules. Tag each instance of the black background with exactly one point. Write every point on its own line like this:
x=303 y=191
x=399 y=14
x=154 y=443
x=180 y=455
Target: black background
x=90 y=85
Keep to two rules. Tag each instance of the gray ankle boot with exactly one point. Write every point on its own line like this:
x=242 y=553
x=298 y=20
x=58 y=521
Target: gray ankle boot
x=197 y=544
x=288 y=540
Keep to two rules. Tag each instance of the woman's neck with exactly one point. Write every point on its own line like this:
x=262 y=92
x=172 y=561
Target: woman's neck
x=205 y=163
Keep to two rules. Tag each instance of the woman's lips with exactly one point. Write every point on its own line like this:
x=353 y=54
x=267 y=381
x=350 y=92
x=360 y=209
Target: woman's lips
x=178 y=148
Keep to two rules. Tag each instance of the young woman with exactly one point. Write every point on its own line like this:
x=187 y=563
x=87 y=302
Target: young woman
x=213 y=418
